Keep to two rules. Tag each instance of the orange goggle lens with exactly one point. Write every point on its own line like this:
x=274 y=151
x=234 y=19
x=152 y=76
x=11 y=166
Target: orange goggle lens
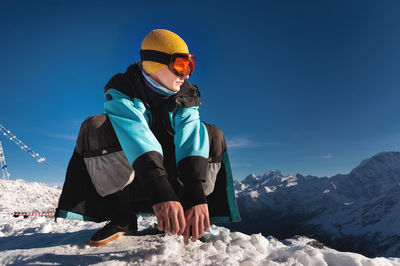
x=182 y=64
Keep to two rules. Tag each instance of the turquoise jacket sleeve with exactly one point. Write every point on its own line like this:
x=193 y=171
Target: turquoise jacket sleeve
x=130 y=121
x=192 y=151
x=191 y=137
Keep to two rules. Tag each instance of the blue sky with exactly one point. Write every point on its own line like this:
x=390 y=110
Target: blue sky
x=307 y=87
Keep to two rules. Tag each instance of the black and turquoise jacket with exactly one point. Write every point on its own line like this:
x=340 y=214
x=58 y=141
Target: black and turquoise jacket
x=172 y=152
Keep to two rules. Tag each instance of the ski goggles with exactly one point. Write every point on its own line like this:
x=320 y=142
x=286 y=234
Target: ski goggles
x=180 y=64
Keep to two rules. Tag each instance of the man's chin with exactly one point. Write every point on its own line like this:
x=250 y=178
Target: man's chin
x=176 y=88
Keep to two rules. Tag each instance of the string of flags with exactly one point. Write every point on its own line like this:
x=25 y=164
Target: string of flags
x=27 y=214
x=3 y=163
x=7 y=133
x=22 y=145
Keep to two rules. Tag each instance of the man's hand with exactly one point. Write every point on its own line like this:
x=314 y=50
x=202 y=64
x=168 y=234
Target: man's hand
x=170 y=217
x=197 y=219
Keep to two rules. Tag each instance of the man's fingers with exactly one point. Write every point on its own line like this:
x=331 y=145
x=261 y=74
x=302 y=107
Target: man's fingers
x=182 y=222
x=167 y=224
x=195 y=228
x=207 y=223
x=160 y=223
x=201 y=227
x=157 y=208
x=174 y=223
x=186 y=234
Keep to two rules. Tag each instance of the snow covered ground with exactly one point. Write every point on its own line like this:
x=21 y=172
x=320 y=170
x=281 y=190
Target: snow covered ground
x=41 y=241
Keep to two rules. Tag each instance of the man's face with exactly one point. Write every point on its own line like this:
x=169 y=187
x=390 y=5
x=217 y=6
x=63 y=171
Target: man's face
x=168 y=79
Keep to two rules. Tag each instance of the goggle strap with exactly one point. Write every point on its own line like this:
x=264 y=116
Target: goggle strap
x=155 y=56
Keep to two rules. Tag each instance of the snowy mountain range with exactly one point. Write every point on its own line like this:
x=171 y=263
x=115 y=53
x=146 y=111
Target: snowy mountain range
x=356 y=212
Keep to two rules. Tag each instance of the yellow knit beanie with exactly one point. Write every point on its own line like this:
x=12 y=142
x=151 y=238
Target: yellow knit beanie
x=163 y=41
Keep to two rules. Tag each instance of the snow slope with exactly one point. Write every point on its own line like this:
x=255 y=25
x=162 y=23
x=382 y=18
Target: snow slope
x=41 y=241
x=356 y=212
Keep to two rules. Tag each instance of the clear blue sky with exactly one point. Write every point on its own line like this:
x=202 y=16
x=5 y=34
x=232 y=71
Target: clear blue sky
x=307 y=87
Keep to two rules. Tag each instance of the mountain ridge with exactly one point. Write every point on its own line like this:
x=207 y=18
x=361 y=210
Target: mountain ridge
x=343 y=211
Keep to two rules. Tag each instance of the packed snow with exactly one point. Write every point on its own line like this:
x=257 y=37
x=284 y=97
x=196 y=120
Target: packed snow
x=42 y=241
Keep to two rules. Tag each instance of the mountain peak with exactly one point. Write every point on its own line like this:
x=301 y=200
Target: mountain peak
x=250 y=179
x=382 y=164
x=272 y=174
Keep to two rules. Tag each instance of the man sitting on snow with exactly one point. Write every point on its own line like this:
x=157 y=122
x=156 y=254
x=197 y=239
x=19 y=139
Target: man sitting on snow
x=150 y=152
